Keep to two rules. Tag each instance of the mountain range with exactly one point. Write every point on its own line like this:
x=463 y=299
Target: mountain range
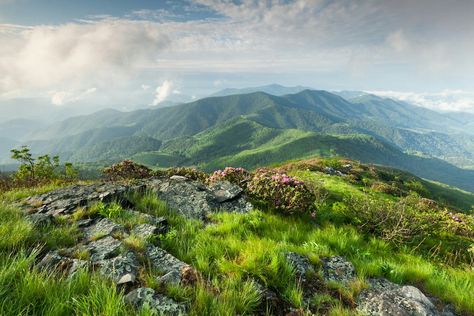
x=251 y=128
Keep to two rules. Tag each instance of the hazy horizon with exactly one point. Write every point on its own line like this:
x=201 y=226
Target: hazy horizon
x=71 y=56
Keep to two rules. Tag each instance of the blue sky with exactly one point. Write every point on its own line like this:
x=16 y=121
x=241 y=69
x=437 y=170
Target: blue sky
x=126 y=54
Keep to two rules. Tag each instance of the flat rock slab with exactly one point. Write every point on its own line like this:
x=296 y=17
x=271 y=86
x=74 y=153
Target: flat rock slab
x=66 y=200
x=158 y=303
x=194 y=200
x=147 y=231
x=101 y=228
x=105 y=248
x=171 y=267
x=121 y=269
x=338 y=269
x=53 y=260
x=385 y=298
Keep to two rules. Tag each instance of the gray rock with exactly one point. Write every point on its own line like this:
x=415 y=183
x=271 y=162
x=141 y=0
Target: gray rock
x=338 y=269
x=192 y=199
x=224 y=191
x=53 y=260
x=158 y=303
x=301 y=265
x=84 y=222
x=77 y=265
x=104 y=248
x=178 y=178
x=66 y=200
x=385 y=298
x=40 y=220
x=102 y=228
x=171 y=267
x=121 y=269
x=160 y=222
x=145 y=231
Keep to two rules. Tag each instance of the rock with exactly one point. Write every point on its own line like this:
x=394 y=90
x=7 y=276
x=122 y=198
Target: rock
x=158 y=303
x=53 y=260
x=145 y=231
x=224 y=191
x=385 y=298
x=161 y=222
x=329 y=170
x=121 y=269
x=40 y=220
x=84 y=222
x=104 y=248
x=66 y=200
x=178 y=178
x=337 y=269
x=104 y=227
x=174 y=270
x=301 y=265
x=193 y=200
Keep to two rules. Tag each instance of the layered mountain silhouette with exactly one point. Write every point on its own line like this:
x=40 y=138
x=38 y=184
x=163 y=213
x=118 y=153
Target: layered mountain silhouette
x=258 y=128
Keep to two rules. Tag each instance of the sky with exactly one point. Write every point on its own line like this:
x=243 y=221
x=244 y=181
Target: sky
x=92 y=54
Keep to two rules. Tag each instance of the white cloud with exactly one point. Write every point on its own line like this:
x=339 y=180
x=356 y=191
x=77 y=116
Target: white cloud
x=447 y=100
x=163 y=91
x=75 y=54
x=62 y=97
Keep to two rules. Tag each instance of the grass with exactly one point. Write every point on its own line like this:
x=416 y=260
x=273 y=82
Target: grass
x=237 y=255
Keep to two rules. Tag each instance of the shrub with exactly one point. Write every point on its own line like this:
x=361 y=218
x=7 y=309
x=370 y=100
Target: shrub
x=35 y=171
x=281 y=191
x=238 y=176
x=190 y=173
x=127 y=170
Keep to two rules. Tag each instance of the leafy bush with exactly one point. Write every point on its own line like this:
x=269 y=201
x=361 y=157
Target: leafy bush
x=238 y=176
x=35 y=171
x=413 y=220
x=127 y=170
x=190 y=173
x=282 y=192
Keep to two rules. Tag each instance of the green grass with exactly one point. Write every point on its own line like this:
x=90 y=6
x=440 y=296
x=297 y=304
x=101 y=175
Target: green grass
x=236 y=255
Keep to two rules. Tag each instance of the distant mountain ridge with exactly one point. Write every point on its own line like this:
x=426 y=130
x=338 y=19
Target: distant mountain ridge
x=367 y=127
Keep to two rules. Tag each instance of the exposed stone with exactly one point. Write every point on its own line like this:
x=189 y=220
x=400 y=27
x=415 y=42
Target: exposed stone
x=84 y=222
x=174 y=270
x=301 y=265
x=104 y=248
x=178 y=178
x=194 y=200
x=224 y=191
x=158 y=303
x=53 y=260
x=160 y=222
x=385 y=298
x=145 y=231
x=66 y=200
x=103 y=227
x=121 y=269
x=337 y=269
x=40 y=220
x=77 y=264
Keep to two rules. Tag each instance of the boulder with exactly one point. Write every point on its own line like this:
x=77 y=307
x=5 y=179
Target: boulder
x=385 y=298
x=122 y=269
x=66 y=200
x=101 y=228
x=145 y=231
x=157 y=303
x=301 y=265
x=337 y=269
x=225 y=191
x=194 y=200
x=105 y=248
x=174 y=270
x=39 y=220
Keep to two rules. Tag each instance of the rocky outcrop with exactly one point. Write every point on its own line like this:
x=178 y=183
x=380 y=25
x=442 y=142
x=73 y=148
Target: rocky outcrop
x=385 y=298
x=337 y=269
x=195 y=200
x=157 y=303
x=122 y=269
x=66 y=200
x=174 y=270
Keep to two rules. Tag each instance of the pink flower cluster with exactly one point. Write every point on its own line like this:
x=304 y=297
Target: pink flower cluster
x=234 y=175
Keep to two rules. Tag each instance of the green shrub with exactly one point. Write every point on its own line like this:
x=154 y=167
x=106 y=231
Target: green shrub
x=127 y=170
x=281 y=192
